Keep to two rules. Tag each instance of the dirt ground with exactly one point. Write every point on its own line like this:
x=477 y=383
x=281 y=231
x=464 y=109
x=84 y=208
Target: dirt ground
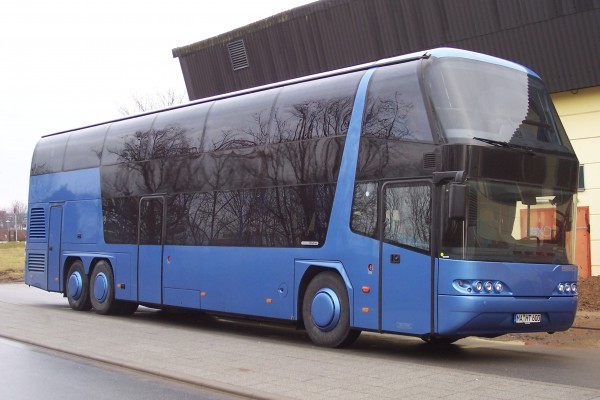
x=586 y=328
x=585 y=332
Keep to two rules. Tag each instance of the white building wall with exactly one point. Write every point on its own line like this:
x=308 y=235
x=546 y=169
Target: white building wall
x=580 y=114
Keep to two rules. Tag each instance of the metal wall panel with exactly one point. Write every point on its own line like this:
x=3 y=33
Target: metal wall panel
x=555 y=38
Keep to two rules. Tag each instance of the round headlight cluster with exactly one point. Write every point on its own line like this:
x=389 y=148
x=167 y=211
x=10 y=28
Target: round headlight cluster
x=488 y=286
x=468 y=286
x=567 y=288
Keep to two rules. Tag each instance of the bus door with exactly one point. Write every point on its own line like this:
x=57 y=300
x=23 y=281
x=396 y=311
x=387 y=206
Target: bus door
x=405 y=257
x=150 y=249
x=54 y=242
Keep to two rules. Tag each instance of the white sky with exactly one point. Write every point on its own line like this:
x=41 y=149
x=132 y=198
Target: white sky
x=69 y=63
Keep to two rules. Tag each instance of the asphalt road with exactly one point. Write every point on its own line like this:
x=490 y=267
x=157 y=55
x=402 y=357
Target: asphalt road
x=273 y=361
x=28 y=372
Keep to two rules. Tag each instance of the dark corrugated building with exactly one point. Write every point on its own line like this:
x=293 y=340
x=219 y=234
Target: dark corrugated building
x=559 y=39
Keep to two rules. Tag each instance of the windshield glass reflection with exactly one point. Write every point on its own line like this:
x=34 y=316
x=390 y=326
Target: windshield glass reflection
x=472 y=99
x=512 y=222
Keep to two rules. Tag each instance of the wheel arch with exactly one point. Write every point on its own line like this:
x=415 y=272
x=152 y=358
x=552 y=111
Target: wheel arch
x=306 y=270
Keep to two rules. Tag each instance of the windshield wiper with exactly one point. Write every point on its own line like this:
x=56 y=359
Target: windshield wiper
x=506 y=145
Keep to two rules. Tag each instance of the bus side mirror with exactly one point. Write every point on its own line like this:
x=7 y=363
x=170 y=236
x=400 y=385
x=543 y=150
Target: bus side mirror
x=457 y=197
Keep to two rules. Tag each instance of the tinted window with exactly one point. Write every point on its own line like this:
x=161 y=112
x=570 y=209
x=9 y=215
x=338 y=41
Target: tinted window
x=178 y=132
x=133 y=179
x=127 y=140
x=238 y=122
x=313 y=109
x=407 y=211
x=395 y=107
x=151 y=221
x=364 y=209
x=279 y=217
x=84 y=148
x=49 y=154
x=120 y=220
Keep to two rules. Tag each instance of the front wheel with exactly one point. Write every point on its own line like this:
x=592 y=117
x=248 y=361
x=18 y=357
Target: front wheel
x=326 y=311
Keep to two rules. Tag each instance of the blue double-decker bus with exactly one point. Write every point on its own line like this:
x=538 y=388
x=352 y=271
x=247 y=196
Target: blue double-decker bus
x=429 y=195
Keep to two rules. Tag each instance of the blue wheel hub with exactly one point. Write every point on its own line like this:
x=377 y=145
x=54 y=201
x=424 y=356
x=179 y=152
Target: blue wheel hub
x=75 y=285
x=325 y=309
x=100 y=287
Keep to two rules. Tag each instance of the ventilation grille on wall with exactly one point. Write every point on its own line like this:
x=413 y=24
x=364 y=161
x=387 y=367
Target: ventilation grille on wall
x=237 y=54
x=36 y=262
x=429 y=161
x=37 y=224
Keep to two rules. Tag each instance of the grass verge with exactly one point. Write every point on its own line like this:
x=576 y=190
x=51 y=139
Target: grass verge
x=12 y=261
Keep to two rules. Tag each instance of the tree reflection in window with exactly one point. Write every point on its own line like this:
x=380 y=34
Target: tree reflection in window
x=408 y=215
x=278 y=217
x=364 y=209
x=394 y=108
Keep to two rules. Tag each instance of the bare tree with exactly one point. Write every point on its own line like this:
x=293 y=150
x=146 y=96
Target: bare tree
x=19 y=207
x=141 y=104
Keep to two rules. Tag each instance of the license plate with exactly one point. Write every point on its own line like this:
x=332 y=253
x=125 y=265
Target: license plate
x=528 y=319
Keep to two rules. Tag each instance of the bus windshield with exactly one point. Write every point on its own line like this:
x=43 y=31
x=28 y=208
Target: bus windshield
x=512 y=222
x=476 y=100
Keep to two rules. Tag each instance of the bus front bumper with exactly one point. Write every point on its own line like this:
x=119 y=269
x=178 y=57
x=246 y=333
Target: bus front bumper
x=494 y=316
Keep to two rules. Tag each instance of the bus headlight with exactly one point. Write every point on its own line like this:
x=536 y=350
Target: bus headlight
x=498 y=287
x=574 y=288
x=561 y=288
x=478 y=286
x=488 y=286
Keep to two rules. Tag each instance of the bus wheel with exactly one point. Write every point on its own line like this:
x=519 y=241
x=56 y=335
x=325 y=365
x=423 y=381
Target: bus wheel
x=78 y=292
x=326 y=311
x=102 y=290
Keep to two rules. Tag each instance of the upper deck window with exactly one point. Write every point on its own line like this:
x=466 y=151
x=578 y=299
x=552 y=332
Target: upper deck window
x=395 y=109
x=473 y=99
x=178 y=132
x=127 y=140
x=84 y=148
x=315 y=109
x=49 y=155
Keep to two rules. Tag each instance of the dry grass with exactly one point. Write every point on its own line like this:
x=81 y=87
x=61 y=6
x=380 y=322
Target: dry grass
x=12 y=261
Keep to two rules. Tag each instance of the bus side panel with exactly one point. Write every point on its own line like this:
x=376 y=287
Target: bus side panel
x=526 y=289
x=251 y=281
x=82 y=222
x=65 y=186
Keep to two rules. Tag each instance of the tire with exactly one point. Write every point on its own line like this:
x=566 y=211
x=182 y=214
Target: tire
x=77 y=287
x=102 y=289
x=326 y=311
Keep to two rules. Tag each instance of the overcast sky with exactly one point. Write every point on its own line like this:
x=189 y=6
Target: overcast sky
x=69 y=63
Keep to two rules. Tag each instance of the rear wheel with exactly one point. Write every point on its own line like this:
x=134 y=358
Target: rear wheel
x=326 y=311
x=77 y=287
x=102 y=289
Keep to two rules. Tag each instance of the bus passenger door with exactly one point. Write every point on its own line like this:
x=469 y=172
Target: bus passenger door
x=405 y=257
x=150 y=249
x=54 y=242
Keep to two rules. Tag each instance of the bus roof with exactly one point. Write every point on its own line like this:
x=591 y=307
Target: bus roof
x=443 y=52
